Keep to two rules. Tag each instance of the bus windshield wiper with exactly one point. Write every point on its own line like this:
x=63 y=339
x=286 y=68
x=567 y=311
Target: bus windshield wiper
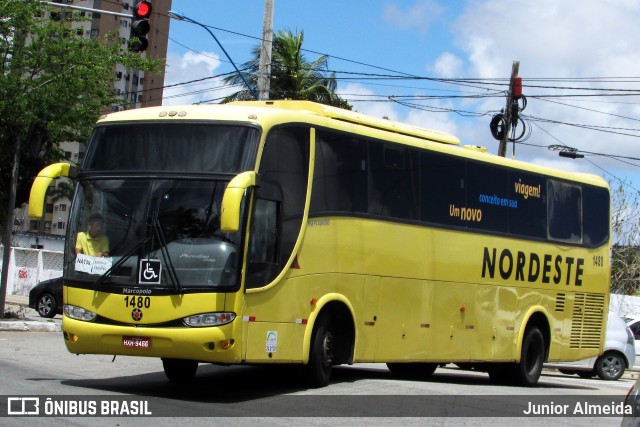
x=121 y=261
x=157 y=227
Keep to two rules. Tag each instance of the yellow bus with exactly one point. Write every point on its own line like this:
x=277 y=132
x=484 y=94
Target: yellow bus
x=290 y=232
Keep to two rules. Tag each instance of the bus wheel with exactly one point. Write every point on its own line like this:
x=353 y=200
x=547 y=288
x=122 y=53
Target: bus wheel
x=527 y=372
x=415 y=370
x=179 y=370
x=317 y=372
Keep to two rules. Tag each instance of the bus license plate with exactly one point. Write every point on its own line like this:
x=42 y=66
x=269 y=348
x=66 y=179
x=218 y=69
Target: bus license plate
x=136 y=342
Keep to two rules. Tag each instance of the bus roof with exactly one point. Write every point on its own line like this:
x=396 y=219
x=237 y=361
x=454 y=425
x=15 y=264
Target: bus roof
x=357 y=118
x=234 y=111
x=270 y=113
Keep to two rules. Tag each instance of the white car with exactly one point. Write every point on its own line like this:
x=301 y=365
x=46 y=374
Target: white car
x=619 y=354
x=634 y=325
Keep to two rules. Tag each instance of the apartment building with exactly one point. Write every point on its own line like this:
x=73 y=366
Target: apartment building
x=136 y=88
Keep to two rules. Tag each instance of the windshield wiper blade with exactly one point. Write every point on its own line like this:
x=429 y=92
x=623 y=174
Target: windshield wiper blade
x=157 y=227
x=121 y=261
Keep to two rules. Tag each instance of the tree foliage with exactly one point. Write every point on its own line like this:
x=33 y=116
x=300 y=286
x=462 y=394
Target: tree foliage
x=53 y=85
x=625 y=253
x=292 y=75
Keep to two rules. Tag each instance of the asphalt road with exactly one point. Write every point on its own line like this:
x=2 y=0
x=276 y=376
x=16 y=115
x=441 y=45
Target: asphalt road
x=37 y=364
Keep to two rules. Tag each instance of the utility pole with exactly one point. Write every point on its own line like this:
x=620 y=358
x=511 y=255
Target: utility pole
x=502 y=149
x=264 y=72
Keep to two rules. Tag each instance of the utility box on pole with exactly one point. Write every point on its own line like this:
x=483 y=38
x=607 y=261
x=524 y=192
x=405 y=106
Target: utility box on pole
x=502 y=149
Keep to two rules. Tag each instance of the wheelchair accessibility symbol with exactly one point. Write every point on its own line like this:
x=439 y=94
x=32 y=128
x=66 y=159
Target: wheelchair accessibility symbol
x=149 y=272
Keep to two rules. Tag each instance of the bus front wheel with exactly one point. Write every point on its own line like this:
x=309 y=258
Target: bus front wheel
x=317 y=372
x=179 y=370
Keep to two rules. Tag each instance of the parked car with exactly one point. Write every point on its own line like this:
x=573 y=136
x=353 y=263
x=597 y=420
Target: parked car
x=46 y=297
x=634 y=325
x=619 y=354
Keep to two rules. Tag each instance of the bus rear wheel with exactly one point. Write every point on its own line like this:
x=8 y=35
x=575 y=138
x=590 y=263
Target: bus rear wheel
x=528 y=371
x=317 y=372
x=179 y=370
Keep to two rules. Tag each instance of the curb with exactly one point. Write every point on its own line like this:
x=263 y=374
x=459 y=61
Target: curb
x=29 y=326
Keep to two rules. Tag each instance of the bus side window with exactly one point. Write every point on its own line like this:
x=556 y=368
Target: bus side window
x=564 y=211
x=262 y=257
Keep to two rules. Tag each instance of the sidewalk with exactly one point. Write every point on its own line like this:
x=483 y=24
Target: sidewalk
x=29 y=319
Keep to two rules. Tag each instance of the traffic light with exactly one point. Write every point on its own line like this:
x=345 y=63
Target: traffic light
x=140 y=26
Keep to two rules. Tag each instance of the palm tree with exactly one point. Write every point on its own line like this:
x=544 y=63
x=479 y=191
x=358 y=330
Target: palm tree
x=292 y=75
x=64 y=190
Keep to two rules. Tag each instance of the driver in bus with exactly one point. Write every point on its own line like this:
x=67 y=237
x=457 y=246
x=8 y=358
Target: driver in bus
x=93 y=242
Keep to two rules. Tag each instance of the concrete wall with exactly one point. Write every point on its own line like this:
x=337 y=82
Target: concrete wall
x=625 y=306
x=28 y=267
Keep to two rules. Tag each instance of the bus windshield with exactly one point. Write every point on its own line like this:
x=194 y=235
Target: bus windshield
x=160 y=232
x=175 y=223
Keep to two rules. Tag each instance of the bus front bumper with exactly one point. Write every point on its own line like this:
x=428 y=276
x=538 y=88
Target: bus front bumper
x=207 y=344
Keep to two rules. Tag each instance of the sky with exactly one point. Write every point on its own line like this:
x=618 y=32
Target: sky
x=579 y=61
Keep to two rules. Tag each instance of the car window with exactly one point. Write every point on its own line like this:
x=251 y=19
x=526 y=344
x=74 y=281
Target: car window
x=635 y=328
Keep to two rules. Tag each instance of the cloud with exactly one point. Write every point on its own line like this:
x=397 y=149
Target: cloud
x=363 y=100
x=571 y=41
x=447 y=65
x=420 y=15
x=187 y=68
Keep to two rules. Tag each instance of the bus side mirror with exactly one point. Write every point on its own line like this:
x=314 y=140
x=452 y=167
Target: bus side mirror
x=232 y=201
x=41 y=184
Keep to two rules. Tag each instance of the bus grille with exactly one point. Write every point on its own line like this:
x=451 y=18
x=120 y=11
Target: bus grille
x=586 y=325
x=561 y=300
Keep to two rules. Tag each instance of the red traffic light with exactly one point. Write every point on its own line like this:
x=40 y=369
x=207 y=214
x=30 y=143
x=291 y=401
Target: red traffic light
x=142 y=10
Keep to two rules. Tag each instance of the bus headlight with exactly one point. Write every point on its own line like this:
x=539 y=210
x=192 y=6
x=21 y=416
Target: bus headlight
x=209 y=319
x=79 y=313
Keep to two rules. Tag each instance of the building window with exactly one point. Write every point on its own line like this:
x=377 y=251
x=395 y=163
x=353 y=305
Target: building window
x=63 y=207
x=33 y=225
x=61 y=225
x=67 y=155
x=49 y=208
x=47 y=226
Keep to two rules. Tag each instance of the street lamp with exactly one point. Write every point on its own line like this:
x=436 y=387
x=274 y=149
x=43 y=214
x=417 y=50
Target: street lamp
x=182 y=17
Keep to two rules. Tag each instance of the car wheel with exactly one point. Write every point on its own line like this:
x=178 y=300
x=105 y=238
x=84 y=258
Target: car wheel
x=46 y=305
x=610 y=366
